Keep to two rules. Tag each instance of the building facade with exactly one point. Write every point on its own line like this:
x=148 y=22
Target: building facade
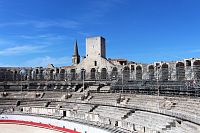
x=96 y=66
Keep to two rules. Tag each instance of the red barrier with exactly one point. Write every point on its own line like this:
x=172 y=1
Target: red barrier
x=41 y=125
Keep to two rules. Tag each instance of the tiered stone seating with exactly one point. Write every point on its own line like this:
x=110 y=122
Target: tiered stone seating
x=105 y=98
x=189 y=108
x=53 y=95
x=82 y=107
x=76 y=97
x=1 y=87
x=31 y=88
x=57 y=87
x=144 y=102
x=71 y=106
x=183 y=108
x=111 y=112
x=15 y=88
x=16 y=94
x=7 y=103
x=185 y=127
x=153 y=121
x=20 y=95
x=38 y=103
x=105 y=88
x=92 y=88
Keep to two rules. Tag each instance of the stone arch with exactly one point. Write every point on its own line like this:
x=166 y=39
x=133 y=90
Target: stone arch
x=51 y=74
x=126 y=73
x=93 y=73
x=103 y=73
x=151 y=72
x=62 y=74
x=73 y=74
x=196 y=69
x=45 y=74
x=139 y=72
x=164 y=71
x=33 y=75
x=83 y=71
x=23 y=74
x=36 y=71
x=14 y=75
x=66 y=75
x=37 y=74
x=180 y=71
x=57 y=71
x=188 y=63
x=132 y=68
x=29 y=74
x=114 y=73
x=41 y=74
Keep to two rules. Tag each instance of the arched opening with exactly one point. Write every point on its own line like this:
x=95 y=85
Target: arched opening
x=33 y=75
x=37 y=71
x=51 y=74
x=93 y=73
x=164 y=72
x=15 y=75
x=29 y=75
x=188 y=63
x=37 y=74
x=62 y=74
x=41 y=75
x=23 y=74
x=66 y=76
x=132 y=68
x=126 y=73
x=57 y=70
x=73 y=74
x=138 y=73
x=45 y=74
x=196 y=69
x=114 y=73
x=180 y=71
x=103 y=73
x=151 y=72
x=83 y=74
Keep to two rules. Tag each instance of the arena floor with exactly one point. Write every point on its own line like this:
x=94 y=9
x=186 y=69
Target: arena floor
x=14 y=128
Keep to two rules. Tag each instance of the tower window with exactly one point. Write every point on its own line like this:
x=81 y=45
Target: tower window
x=95 y=63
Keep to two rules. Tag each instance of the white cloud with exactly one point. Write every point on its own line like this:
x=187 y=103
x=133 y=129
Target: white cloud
x=194 y=51
x=44 y=61
x=20 y=50
x=47 y=38
x=69 y=24
x=7 y=65
x=5 y=42
x=41 y=62
x=86 y=34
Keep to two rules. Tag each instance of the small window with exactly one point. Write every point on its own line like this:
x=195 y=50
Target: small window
x=95 y=63
x=188 y=63
x=132 y=68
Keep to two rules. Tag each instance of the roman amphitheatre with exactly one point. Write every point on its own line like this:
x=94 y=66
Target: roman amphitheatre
x=97 y=94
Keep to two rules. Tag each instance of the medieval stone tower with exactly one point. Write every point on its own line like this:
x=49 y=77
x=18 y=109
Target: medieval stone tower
x=95 y=47
x=76 y=56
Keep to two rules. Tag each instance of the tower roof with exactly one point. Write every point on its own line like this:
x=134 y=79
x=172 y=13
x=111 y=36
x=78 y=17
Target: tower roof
x=76 y=49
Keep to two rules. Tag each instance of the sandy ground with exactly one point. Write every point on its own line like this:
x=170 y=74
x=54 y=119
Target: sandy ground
x=14 y=128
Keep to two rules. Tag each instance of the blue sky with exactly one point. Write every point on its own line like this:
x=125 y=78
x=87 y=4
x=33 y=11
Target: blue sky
x=39 y=32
